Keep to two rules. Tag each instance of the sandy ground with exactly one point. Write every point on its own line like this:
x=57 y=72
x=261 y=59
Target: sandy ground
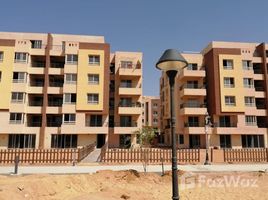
x=134 y=186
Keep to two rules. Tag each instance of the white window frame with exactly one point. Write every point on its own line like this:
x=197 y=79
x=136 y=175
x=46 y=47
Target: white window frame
x=247 y=65
x=21 y=57
x=16 y=95
x=228 y=102
x=229 y=62
x=71 y=118
x=249 y=101
x=95 y=59
x=73 y=59
x=228 y=83
x=68 y=96
x=71 y=78
x=248 y=83
x=126 y=64
x=16 y=120
x=1 y=56
x=21 y=79
x=93 y=98
x=94 y=81
x=250 y=120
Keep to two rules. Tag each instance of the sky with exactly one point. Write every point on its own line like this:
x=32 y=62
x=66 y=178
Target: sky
x=149 y=26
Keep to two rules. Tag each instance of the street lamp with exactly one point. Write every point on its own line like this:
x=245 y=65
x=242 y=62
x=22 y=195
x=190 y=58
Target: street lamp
x=171 y=62
x=207 y=125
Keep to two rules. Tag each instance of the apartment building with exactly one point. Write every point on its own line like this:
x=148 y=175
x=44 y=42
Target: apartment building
x=151 y=111
x=56 y=91
x=228 y=80
x=125 y=115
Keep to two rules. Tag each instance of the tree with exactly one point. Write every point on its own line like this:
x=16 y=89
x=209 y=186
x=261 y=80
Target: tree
x=145 y=138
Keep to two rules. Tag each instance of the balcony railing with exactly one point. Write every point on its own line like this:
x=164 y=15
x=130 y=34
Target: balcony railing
x=126 y=124
x=97 y=124
x=38 y=64
x=137 y=104
x=56 y=65
x=55 y=84
x=34 y=124
x=225 y=125
x=54 y=124
x=35 y=103
x=193 y=105
x=192 y=86
x=55 y=103
x=259 y=89
x=193 y=124
x=37 y=84
x=15 y=121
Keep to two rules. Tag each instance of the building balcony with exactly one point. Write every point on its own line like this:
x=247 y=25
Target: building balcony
x=192 y=91
x=129 y=110
x=54 y=90
x=35 y=90
x=130 y=71
x=193 y=109
x=131 y=129
x=56 y=70
x=192 y=73
x=36 y=70
x=34 y=109
x=130 y=91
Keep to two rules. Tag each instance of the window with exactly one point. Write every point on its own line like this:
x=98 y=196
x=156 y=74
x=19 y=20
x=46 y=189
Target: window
x=155 y=113
x=181 y=139
x=228 y=64
x=95 y=120
x=63 y=141
x=193 y=122
x=94 y=59
x=92 y=98
x=21 y=57
x=155 y=105
x=230 y=100
x=155 y=121
x=70 y=78
x=70 y=98
x=225 y=141
x=15 y=118
x=0 y=76
x=1 y=56
x=250 y=120
x=126 y=83
x=252 y=141
x=248 y=82
x=249 y=101
x=93 y=79
x=126 y=64
x=246 y=64
x=192 y=84
x=71 y=59
x=125 y=102
x=126 y=121
x=229 y=82
x=69 y=118
x=19 y=77
x=192 y=66
x=21 y=141
x=17 y=97
x=36 y=44
x=194 y=141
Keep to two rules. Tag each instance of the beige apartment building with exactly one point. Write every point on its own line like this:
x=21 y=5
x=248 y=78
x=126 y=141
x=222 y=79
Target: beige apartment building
x=229 y=80
x=62 y=91
x=151 y=111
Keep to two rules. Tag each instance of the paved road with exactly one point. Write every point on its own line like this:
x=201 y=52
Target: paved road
x=150 y=168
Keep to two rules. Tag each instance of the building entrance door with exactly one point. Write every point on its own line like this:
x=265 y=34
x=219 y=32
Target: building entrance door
x=100 y=140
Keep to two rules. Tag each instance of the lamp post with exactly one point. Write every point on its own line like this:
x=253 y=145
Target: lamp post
x=171 y=62
x=207 y=125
